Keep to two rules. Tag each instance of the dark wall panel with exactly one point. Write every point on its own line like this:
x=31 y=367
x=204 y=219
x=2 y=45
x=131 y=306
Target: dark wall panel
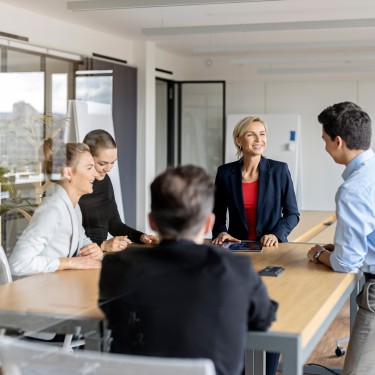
x=125 y=126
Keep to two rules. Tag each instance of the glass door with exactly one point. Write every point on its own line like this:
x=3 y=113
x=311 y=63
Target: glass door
x=190 y=124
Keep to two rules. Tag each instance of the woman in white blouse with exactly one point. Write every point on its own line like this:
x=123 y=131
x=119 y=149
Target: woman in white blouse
x=55 y=239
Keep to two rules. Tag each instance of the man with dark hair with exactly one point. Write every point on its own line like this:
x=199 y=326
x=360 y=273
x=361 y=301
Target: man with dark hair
x=183 y=298
x=347 y=135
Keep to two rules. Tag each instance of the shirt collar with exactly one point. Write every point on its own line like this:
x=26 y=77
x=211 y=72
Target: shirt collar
x=357 y=162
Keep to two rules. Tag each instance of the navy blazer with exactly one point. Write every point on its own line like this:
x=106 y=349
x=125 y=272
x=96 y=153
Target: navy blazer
x=277 y=211
x=180 y=299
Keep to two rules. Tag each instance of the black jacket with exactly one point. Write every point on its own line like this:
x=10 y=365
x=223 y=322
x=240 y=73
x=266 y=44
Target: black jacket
x=180 y=299
x=277 y=211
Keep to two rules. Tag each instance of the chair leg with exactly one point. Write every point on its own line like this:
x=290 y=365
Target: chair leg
x=67 y=342
x=340 y=351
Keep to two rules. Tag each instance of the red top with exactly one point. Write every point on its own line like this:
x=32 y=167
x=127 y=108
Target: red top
x=250 y=199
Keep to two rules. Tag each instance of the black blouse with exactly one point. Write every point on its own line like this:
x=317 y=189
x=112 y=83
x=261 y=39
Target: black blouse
x=100 y=215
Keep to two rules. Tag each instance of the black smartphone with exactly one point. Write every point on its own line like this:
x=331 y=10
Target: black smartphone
x=271 y=271
x=251 y=246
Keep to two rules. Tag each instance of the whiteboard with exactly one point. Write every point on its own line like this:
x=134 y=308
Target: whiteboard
x=283 y=143
x=86 y=116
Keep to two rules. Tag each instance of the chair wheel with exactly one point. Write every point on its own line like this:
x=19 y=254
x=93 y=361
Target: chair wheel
x=340 y=351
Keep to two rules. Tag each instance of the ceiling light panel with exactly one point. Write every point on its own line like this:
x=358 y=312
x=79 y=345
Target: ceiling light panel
x=284 y=46
x=333 y=69
x=260 y=27
x=128 y=4
x=302 y=59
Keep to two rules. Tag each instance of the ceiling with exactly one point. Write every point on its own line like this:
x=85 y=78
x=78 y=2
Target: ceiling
x=252 y=32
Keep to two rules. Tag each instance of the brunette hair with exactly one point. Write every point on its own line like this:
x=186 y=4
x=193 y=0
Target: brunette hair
x=99 y=139
x=181 y=200
x=350 y=122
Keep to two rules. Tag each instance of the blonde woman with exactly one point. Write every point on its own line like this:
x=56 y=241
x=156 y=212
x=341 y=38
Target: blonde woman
x=257 y=192
x=55 y=239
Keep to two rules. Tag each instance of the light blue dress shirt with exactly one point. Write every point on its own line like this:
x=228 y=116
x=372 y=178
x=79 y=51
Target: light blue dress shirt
x=355 y=210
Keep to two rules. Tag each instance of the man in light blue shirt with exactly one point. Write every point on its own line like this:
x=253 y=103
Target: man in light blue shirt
x=347 y=135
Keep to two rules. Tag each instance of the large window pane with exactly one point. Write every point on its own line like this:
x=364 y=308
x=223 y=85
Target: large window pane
x=59 y=85
x=21 y=135
x=59 y=93
x=34 y=90
x=21 y=107
x=17 y=61
x=94 y=89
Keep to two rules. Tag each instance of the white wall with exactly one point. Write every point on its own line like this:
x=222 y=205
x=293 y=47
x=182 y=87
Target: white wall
x=172 y=63
x=306 y=95
x=52 y=33
x=247 y=91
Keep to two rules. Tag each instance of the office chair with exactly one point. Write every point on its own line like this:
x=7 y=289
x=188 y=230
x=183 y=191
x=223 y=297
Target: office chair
x=68 y=343
x=24 y=358
x=340 y=351
x=5 y=275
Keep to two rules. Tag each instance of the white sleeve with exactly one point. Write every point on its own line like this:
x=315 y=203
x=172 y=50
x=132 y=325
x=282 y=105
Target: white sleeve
x=26 y=258
x=83 y=239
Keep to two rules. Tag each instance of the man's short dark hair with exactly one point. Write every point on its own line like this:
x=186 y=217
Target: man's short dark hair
x=348 y=121
x=181 y=200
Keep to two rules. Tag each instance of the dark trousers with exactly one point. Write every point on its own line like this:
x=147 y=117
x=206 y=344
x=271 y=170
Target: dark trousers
x=272 y=360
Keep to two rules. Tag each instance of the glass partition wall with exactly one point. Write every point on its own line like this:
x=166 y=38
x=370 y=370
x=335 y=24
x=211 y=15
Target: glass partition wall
x=34 y=89
x=190 y=124
x=202 y=120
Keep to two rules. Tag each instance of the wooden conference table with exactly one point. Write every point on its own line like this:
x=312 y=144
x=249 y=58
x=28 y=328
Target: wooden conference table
x=311 y=224
x=309 y=296
x=58 y=302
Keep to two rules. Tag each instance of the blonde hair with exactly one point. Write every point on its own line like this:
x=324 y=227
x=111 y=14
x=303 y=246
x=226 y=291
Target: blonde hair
x=240 y=129
x=58 y=155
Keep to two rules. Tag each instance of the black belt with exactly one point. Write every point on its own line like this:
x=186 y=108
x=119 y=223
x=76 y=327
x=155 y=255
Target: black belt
x=369 y=276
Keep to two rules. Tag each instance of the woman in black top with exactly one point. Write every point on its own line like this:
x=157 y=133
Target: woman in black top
x=99 y=209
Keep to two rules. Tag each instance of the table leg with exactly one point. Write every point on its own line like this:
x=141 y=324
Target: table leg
x=255 y=362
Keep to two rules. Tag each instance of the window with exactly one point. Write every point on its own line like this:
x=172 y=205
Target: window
x=34 y=90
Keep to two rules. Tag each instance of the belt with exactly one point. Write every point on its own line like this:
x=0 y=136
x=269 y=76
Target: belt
x=369 y=276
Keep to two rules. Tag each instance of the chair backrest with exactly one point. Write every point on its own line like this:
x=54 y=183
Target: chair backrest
x=21 y=358
x=5 y=274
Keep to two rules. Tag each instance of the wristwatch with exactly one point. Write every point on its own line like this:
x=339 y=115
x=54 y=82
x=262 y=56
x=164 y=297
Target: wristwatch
x=317 y=255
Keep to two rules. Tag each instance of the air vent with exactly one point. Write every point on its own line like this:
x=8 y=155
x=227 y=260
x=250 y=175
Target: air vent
x=109 y=58
x=164 y=71
x=13 y=36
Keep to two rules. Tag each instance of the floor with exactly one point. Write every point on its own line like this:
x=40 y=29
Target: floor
x=324 y=353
